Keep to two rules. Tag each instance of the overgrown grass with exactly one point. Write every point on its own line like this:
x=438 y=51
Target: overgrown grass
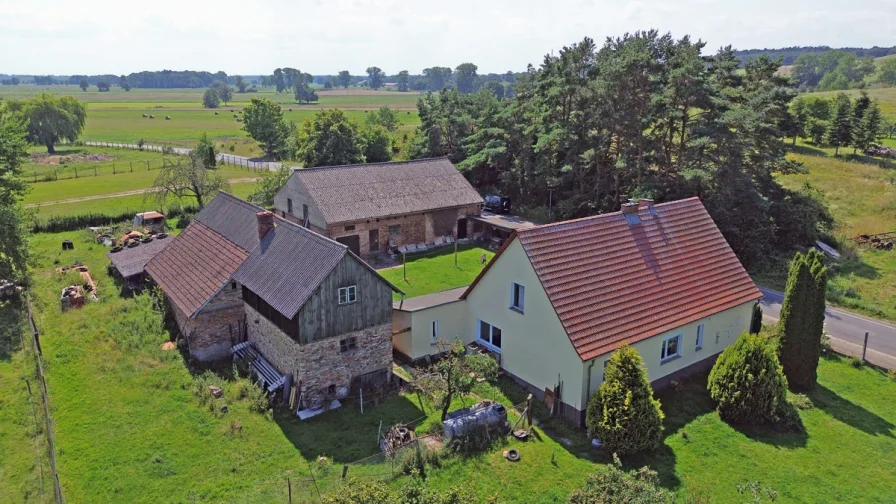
x=435 y=271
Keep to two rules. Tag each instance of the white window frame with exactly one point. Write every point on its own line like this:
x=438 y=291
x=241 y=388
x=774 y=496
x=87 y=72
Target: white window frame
x=664 y=355
x=348 y=295
x=700 y=334
x=491 y=331
x=521 y=308
x=433 y=332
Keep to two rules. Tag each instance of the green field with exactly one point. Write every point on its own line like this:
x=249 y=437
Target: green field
x=435 y=271
x=129 y=429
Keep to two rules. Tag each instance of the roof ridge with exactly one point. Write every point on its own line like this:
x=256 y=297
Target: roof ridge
x=599 y=216
x=360 y=165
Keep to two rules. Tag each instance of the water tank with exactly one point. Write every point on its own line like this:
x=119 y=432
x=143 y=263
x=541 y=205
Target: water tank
x=463 y=421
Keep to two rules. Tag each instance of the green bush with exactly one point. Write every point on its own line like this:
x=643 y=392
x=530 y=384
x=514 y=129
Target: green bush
x=801 y=327
x=612 y=485
x=623 y=413
x=747 y=381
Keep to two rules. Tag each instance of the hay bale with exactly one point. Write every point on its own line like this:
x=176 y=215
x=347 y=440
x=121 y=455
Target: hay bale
x=144 y=115
x=167 y=118
x=152 y=116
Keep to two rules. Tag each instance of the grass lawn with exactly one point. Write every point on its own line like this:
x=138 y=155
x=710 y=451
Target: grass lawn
x=861 y=196
x=434 y=272
x=129 y=428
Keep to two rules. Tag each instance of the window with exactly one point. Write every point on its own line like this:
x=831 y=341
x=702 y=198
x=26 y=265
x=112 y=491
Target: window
x=490 y=335
x=699 y=336
x=350 y=228
x=671 y=348
x=232 y=285
x=517 y=297
x=434 y=332
x=348 y=294
x=289 y=206
x=348 y=344
x=395 y=230
x=304 y=214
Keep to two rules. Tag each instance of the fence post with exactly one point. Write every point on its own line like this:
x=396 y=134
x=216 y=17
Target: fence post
x=113 y=168
x=94 y=170
x=76 y=172
x=132 y=166
x=35 y=174
x=865 y=346
x=344 y=471
x=147 y=165
x=289 y=487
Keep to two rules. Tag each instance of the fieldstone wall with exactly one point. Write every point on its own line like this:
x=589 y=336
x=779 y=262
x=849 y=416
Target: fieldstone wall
x=316 y=366
x=216 y=328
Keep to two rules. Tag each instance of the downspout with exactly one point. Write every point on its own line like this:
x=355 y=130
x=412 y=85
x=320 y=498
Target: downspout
x=588 y=388
x=401 y=303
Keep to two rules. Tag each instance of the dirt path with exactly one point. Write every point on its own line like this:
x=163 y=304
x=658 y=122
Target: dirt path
x=119 y=194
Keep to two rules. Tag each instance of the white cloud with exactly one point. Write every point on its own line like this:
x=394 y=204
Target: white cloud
x=320 y=36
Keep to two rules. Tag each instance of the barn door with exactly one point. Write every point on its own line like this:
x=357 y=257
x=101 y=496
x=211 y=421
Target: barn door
x=353 y=242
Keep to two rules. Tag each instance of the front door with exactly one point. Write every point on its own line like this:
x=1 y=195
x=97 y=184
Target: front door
x=374 y=240
x=353 y=242
x=461 y=229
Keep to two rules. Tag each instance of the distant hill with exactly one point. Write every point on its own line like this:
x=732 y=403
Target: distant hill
x=790 y=54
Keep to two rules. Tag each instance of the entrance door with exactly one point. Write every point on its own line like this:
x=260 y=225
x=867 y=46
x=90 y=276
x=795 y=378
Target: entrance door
x=461 y=229
x=353 y=242
x=374 y=240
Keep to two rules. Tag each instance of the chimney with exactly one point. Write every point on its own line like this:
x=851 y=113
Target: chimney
x=265 y=223
x=630 y=212
x=648 y=204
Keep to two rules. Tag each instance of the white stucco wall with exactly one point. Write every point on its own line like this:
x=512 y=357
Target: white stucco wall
x=719 y=331
x=418 y=342
x=535 y=346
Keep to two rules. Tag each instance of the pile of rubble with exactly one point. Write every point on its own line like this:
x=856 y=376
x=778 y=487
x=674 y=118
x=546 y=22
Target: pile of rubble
x=73 y=296
x=881 y=151
x=396 y=437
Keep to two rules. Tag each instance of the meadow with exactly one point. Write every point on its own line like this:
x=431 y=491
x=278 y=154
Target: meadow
x=130 y=428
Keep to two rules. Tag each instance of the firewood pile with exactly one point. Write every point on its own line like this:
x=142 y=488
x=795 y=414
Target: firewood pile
x=396 y=437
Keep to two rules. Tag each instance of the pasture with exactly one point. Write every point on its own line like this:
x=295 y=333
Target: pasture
x=130 y=428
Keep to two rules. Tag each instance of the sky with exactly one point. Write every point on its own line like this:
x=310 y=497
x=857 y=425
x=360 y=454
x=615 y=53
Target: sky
x=247 y=37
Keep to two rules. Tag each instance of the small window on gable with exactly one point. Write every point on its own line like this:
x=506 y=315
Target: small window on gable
x=434 y=332
x=350 y=228
x=232 y=285
x=671 y=348
x=699 y=336
x=517 y=297
x=348 y=294
x=289 y=205
x=348 y=344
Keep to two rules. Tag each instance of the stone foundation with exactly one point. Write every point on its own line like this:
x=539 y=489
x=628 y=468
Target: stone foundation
x=219 y=326
x=317 y=366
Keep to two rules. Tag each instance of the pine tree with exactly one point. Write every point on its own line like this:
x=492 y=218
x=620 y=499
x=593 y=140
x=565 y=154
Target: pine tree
x=861 y=105
x=623 y=413
x=840 y=129
x=868 y=128
x=756 y=320
x=799 y=113
x=802 y=320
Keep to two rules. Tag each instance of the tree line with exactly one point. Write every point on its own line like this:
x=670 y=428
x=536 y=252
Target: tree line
x=837 y=122
x=789 y=55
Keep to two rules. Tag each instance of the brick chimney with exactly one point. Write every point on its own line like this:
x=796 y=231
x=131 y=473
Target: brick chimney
x=265 y=223
x=630 y=212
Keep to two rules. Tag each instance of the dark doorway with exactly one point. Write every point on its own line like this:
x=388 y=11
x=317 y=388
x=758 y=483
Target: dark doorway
x=353 y=242
x=461 y=229
x=374 y=240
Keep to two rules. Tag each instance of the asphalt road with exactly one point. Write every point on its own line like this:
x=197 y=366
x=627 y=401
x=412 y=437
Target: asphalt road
x=842 y=325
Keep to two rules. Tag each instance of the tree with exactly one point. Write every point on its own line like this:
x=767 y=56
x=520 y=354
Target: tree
x=868 y=128
x=403 y=81
x=437 y=77
x=799 y=114
x=187 y=177
x=840 y=128
x=328 y=84
x=375 y=77
x=345 y=79
x=84 y=84
x=263 y=121
x=225 y=93
x=756 y=319
x=329 y=139
x=465 y=75
x=496 y=88
x=51 y=119
x=623 y=413
x=240 y=84
x=268 y=185
x=385 y=117
x=205 y=152
x=377 y=144
x=278 y=79
x=453 y=375
x=801 y=326
x=123 y=83
x=103 y=86
x=747 y=381
x=210 y=98
x=612 y=485
x=886 y=72
x=302 y=88
x=13 y=231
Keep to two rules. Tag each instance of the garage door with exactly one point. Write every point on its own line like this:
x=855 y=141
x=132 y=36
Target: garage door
x=353 y=242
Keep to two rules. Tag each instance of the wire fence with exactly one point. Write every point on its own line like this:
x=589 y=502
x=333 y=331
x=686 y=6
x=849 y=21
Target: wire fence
x=51 y=441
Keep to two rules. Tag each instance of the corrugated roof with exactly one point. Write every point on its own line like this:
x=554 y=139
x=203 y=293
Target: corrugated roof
x=430 y=300
x=612 y=283
x=130 y=261
x=288 y=266
x=233 y=218
x=195 y=265
x=364 y=191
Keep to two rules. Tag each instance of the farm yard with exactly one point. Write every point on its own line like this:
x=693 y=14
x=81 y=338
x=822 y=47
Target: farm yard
x=129 y=425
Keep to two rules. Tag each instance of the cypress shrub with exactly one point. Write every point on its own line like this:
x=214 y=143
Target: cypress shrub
x=756 y=321
x=802 y=320
x=623 y=413
x=747 y=381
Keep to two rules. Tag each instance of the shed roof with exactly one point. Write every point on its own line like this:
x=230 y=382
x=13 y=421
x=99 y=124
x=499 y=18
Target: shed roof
x=612 y=282
x=130 y=261
x=194 y=266
x=504 y=221
x=430 y=300
x=364 y=191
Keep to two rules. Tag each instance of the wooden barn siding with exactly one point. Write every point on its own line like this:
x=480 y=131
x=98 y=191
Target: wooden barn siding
x=323 y=317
